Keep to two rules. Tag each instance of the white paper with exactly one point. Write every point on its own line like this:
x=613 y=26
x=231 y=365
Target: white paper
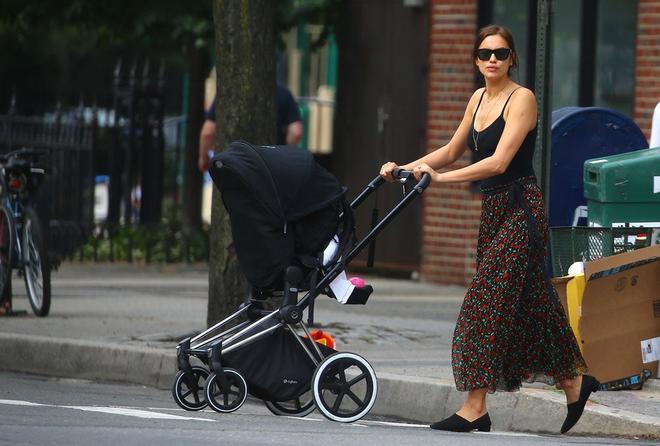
x=342 y=288
x=650 y=350
x=330 y=250
x=656 y=185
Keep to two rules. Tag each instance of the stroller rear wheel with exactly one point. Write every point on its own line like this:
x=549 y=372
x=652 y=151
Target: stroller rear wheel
x=190 y=395
x=229 y=396
x=298 y=407
x=344 y=387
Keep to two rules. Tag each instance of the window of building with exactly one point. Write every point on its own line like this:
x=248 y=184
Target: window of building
x=514 y=14
x=593 y=49
x=614 y=70
x=565 y=76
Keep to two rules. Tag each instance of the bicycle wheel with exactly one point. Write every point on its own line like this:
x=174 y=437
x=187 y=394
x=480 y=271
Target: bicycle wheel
x=6 y=252
x=36 y=265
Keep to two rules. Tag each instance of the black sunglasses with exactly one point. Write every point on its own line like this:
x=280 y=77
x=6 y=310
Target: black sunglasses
x=485 y=53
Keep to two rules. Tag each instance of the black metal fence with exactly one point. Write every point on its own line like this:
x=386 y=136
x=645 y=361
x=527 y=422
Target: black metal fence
x=129 y=138
x=66 y=197
x=137 y=158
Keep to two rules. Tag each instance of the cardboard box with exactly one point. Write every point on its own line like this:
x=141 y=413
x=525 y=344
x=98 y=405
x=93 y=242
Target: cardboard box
x=620 y=317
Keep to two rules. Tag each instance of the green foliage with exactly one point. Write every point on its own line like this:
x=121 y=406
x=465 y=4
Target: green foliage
x=145 y=23
x=166 y=242
x=290 y=13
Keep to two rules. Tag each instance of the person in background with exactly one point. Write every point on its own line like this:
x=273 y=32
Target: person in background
x=289 y=126
x=512 y=326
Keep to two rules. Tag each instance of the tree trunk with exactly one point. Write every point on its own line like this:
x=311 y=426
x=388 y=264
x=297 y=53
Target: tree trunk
x=198 y=64
x=245 y=48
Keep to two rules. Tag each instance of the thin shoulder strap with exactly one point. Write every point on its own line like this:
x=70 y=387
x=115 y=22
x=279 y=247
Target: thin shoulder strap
x=478 y=104
x=507 y=100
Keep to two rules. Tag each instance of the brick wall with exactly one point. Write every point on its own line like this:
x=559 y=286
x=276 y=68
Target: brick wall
x=450 y=212
x=647 y=64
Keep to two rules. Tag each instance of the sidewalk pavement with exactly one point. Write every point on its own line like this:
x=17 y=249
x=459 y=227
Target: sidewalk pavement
x=122 y=322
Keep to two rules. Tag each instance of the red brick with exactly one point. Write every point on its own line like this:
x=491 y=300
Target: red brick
x=647 y=58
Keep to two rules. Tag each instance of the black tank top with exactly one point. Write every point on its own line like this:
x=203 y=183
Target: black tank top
x=483 y=145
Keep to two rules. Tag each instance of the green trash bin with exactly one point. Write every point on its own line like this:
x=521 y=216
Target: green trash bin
x=623 y=189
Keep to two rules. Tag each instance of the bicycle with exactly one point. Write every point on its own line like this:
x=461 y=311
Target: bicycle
x=22 y=243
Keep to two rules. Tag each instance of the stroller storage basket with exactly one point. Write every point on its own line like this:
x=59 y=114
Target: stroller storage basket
x=276 y=367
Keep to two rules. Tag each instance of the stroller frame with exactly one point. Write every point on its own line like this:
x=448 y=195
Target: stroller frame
x=211 y=344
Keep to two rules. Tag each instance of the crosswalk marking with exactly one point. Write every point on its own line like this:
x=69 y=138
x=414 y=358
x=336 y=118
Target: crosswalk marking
x=109 y=410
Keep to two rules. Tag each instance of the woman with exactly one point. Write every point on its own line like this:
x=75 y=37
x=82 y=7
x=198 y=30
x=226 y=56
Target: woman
x=511 y=326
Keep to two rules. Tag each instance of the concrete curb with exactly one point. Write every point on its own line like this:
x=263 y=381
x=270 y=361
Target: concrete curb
x=652 y=385
x=416 y=399
x=87 y=360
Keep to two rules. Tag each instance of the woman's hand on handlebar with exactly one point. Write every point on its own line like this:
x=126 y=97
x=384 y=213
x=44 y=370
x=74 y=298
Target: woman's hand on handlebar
x=386 y=171
x=423 y=168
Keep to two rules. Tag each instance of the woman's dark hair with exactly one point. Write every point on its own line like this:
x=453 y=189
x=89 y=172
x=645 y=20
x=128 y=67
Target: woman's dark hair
x=502 y=31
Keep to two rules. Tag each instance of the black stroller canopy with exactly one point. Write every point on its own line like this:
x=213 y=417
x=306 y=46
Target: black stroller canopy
x=285 y=179
x=281 y=204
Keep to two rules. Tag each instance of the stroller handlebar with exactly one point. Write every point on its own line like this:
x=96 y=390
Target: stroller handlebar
x=400 y=175
x=403 y=176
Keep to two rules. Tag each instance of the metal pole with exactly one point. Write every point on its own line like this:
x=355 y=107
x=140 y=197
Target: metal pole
x=543 y=99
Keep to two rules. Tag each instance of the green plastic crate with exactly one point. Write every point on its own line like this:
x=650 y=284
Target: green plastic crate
x=572 y=244
x=623 y=188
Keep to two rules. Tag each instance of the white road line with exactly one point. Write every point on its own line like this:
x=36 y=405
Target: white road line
x=19 y=403
x=392 y=423
x=354 y=424
x=109 y=410
x=507 y=434
x=133 y=413
x=304 y=419
x=426 y=426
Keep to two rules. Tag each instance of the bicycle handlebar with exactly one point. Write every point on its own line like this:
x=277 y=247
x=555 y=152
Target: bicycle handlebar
x=24 y=153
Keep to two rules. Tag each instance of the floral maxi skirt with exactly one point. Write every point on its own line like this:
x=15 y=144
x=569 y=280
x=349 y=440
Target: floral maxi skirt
x=512 y=326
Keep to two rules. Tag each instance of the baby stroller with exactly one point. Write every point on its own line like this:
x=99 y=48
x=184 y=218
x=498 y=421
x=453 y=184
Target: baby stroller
x=284 y=210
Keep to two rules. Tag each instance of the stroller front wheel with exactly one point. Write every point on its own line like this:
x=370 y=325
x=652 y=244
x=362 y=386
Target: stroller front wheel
x=189 y=395
x=228 y=396
x=344 y=387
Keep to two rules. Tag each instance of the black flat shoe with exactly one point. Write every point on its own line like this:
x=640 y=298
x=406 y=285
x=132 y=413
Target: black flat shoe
x=589 y=385
x=457 y=423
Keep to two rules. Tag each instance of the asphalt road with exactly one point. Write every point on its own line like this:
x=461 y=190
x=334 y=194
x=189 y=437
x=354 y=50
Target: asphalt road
x=48 y=411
